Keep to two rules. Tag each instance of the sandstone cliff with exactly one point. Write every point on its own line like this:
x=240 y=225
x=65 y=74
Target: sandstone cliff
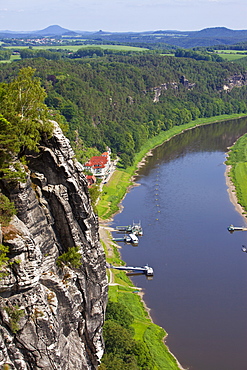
x=51 y=317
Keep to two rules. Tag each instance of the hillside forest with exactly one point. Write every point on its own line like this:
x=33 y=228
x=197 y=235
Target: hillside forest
x=120 y=101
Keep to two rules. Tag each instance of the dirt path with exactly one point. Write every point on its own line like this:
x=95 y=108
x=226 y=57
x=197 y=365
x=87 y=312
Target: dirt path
x=106 y=237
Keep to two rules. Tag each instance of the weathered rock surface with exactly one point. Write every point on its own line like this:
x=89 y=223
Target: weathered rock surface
x=50 y=317
x=237 y=80
x=158 y=90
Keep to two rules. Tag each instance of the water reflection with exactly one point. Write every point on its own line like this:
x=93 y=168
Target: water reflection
x=197 y=140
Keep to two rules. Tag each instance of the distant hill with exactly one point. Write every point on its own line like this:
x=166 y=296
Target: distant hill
x=185 y=39
x=219 y=32
x=52 y=31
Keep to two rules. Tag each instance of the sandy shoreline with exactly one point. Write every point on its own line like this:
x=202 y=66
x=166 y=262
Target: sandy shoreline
x=232 y=194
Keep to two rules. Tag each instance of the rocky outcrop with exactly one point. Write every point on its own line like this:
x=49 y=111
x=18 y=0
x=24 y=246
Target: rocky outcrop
x=236 y=80
x=171 y=85
x=51 y=317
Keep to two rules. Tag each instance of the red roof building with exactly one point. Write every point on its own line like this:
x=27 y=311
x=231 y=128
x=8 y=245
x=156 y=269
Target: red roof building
x=98 y=165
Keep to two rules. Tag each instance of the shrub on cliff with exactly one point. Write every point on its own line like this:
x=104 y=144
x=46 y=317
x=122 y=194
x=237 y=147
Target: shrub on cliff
x=71 y=258
x=7 y=210
x=15 y=314
x=3 y=260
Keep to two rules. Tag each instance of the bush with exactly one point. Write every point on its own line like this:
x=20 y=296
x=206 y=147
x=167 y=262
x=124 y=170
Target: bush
x=7 y=210
x=118 y=312
x=15 y=313
x=3 y=260
x=71 y=258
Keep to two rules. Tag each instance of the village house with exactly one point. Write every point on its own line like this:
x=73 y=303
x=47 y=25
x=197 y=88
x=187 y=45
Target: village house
x=99 y=166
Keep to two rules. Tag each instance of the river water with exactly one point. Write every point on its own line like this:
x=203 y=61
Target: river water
x=199 y=290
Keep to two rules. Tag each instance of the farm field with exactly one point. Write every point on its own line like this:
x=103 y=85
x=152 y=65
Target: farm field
x=77 y=47
x=232 y=54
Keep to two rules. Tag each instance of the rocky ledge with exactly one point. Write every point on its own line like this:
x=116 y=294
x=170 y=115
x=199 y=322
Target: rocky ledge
x=51 y=316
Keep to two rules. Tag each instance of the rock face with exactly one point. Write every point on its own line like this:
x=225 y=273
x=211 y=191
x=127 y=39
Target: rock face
x=51 y=317
x=237 y=80
x=158 y=90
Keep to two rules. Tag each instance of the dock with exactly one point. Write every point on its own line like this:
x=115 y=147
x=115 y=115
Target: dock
x=147 y=270
x=129 y=238
x=232 y=228
x=135 y=228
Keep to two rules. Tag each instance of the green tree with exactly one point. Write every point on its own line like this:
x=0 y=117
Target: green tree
x=117 y=339
x=7 y=210
x=9 y=142
x=23 y=106
x=118 y=312
x=23 y=121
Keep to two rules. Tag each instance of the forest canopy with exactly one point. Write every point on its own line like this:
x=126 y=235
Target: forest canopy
x=120 y=101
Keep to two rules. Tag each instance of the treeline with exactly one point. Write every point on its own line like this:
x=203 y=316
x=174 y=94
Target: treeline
x=5 y=54
x=122 y=351
x=85 y=52
x=109 y=100
x=184 y=53
x=239 y=46
x=50 y=54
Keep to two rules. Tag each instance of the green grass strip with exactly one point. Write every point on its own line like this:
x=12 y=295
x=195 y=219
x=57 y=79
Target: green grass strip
x=237 y=159
x=153 y=337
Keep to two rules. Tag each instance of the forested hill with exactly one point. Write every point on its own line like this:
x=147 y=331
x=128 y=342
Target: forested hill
x=121 y=101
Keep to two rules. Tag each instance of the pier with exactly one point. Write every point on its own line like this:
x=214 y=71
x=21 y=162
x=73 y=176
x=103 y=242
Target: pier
x=130 y=238
x=232 y=228
x=147 y=270
x=135 y=228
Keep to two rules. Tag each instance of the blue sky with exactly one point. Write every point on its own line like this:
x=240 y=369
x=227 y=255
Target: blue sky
x=122 y=15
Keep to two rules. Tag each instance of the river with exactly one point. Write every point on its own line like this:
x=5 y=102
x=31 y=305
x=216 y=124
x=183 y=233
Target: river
x=199 y=290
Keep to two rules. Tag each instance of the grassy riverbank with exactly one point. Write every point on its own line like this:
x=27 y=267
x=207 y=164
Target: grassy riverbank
x=122 y=291
x=237 y=160
x=116 y=188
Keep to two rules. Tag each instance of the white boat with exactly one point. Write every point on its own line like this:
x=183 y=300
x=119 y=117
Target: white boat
x=131 y=238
